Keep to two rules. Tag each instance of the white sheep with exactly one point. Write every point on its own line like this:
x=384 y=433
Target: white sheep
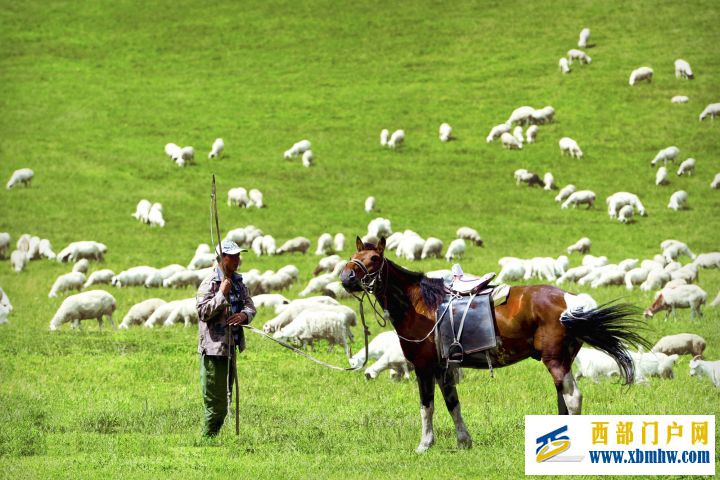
x=173 y=151
x=317 y=284
x=573 y=275
x=564 y=65
x=672 y=249
x=715 y=182
x=21 y=176
x=716 y=302
x=518 y=134
x=595 y=364
x=324 y=244
x=268 y=245
x=203 y=258
x=688 y=273
x=712 y=111
x=445 y=132
x=580 y=197
x=531 y=133
x=509 y=141
x=581 y=246
x=661 y=176
x=85 y=305
x=5 y=301
x=308 y=158
x=683 y=70
x=666 y=155
x=512 y=270
x=594 y=262
x=570 y=146
x=682 y=296
x=339 y=242
x=183 y=279
x=652 y=365
x=100 y=277
x=520 y=115
x=565 y=192
x=142 y=211
x=619 y=199
x=524 y=176
x=379 y=227
x=639 y=74
x=432 y=248
x=185 y=311
x=336 y=290
x=269 y=300
x=161 y=313
x=678 y=200
x=256 y=198
x=134 y=276
x=579 y=55
x=327 y=264
x=396 y=139
x=636 y=276
x=369 y=204
x=217 y=149
x=626 y=213
x=687 y=167
x=238 y=197
x=470 y=234
x=549 y=181
x=543 y=115
x=67 y=282
x=384 y=135
x=155 y=217
x=18 y=260
x=411 y=246
x=331 y=324
x=275 y=281
x=456 y=250
x=583 y=39
x=386 y=349
x=187 y=156
x=707 y=260
x=709 y=369
x=681 y=344
x=298 y=148
x=297 y=244
x=679 y=99
x=4 y=244
x=497 y=131
x=140 y=312
x=81 y=266
x=655 y=279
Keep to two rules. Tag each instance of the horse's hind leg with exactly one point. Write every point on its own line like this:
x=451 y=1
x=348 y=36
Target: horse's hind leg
x=447 y=386
x=569 y=398
x=426 y=385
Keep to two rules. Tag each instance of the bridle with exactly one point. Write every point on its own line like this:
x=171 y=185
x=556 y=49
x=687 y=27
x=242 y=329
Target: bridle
x=370 y=281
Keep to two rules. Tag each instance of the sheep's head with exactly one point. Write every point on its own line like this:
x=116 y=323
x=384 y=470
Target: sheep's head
x=694 y=363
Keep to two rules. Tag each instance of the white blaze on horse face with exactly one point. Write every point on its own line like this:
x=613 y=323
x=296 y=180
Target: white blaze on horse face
x=428 y=437
x=571 y=394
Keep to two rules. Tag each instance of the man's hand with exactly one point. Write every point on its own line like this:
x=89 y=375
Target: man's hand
x=225 y=287
x=237 y=319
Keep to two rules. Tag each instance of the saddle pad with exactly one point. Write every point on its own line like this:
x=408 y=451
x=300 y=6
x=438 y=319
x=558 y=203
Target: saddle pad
x=478 y=331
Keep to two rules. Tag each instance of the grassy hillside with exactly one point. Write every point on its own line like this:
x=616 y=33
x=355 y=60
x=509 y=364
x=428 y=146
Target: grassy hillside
x=90 y=92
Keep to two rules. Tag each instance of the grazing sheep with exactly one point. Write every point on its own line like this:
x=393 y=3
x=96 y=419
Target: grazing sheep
x=81 y=266
x=316 y=284
x=4 y=313
x=396 y=139
x=497 y=131
x=709 y=369
x=67 y=282
x=639 y=74
x=520 y=115
x=185 y=311
x=682 y=296
x=707 y=260
x=518 y=134
x=689 y=273
x=524 y=176
x=411 y=246
x=238 y=197
x=683 y=70
x=202 y=258
x=298 y=148
x=678 y=201
x=18 y=260
x=187 y=155
x=531 y=133
x=565 y=192
x=549 y=181
x=217 y=149
x=584 y=35
x=652 y=365
x=470 y=234
x=510 y=142
x=274 y=281
x=297 y=244
x=339 y=242
x=142 y=211
x=445 y=132
x=161 y=313
x=594 y=364
x=581 y=197
x=269 y=300
x=327 y=264
x=4 y=244
x=570 y=146
x=5 y=301
x=22 y=176
x=594 y=262
x=385 y=347
x=456 y=250
x=619 y=199
x=85 y=305
x=369 y=204
x=308 y=158
x=655 y=279
x=336 y=290
x=573 y=275
x=331 y=324
x=661 y=176
x=325 y=245
x=581 y=246
x=672 y=249
x=626 y=213
x=183 y=279
x=100 y=277
x=716 y=181
x=134 y=276
x=256 y=198
x=379 y=227
x=384 y=134
x=155 y=217
x=679 y=99
x=543 y=115
x=564 y=66
x=636 y=276
x=512 y=270
x=173 y=151
x=712 y=111
x=140 y=312
x=432 y=248
x=579 y=55
x=686 y=167
x=666 y=155
x=681 y=344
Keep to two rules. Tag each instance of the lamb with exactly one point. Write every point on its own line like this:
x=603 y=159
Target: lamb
x=185 y=311
x=297 y=244
x=4 y=244
x=512 y=270
x=445 y=132
x=379 y=227
x=384 y=134
x=18 y=260
x=636 y=276
x=217 y=149
x=584 y=35
x=269 y=300
x=257 y=246
x=712 y=111
x=256 y=198
x=655 y=279
x=531 y=133
x=626 y=213
x=336 y=290
x=564 y=66
x=666 y=155
x=679 y=99
x=672 y=249
x=202 y=258
x=686 y=167
x=155 y=217
x=134 y=276
x=579 y=55
x=639 y=74
x=549 y=181
x=678 y=201
x=715 y=184
x=471 y=235
x=594 y=262
x=22 y=177
x=708 y=260
x=510 y=142
x=325 y=245
x=142 y=211
x=275 y=281
x=161 y=313
x=497 y=131
x=308 y=157
x=683 y=70
x=327 y=264
x=67 y=282
x=573 y=275
x=619 y=199
x=456 y=250
x=689 y=273
x=595 y=364
x=432 y=248
x=652 y=365
x=85 y=305
x=524 y=176
x=683 y=296
x=581 y=197
x=518 y=134
x=609 y=275
x=369 y=204
x=570 y=146
x=581 y=246
x=385 y=347
x=709 y=369
x=520 y=115
x=238 y=197
x=411 y=246
x=681 y=344
x=317 y=284
x=298 y=148
x=99 y=277
x=81 y=266
x=184 y=278
x=396 y=139
x=187 y=155
x=661 y=176
x=542 y=115
x=331 y=324
x=565 y=192
x=140 y=312
x=173 y=151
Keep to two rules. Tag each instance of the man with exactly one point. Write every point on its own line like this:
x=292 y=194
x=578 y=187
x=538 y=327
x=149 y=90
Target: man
x=222 y=300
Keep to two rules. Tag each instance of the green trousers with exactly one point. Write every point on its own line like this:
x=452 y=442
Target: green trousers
x=213 y=381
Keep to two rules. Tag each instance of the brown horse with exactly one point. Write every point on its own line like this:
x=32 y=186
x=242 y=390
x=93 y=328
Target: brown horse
x=533 y=322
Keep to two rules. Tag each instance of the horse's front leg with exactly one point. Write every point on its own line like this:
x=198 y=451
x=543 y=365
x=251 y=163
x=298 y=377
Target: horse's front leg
x=447 y=386
x=426 y=385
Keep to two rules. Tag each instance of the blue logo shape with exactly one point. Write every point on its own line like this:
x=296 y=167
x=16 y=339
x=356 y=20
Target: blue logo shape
x=551 y=444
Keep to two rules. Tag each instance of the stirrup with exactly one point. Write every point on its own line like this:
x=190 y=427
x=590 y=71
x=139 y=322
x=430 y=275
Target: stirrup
x=455 y=353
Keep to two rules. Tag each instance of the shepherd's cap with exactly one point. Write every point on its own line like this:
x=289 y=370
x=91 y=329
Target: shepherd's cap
x=229 y=247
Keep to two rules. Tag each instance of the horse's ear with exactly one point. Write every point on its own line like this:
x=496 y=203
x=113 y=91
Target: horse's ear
x=381 y=245
x=359 y=244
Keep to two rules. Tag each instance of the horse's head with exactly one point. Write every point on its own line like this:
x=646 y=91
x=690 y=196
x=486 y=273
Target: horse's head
x=364 y=266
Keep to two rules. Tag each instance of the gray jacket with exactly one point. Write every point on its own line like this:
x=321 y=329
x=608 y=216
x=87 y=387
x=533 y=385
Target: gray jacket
x=214 y=309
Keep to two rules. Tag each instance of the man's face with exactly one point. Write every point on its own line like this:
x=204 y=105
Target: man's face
x=231 y=262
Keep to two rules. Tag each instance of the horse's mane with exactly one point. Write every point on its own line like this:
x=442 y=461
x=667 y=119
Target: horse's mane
x=431 y=289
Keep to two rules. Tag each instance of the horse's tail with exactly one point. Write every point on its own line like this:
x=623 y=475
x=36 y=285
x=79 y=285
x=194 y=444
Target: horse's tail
x=611 y=327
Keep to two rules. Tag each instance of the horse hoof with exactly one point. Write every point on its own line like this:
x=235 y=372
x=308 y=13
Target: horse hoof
x=423 y=447
x=465 y=443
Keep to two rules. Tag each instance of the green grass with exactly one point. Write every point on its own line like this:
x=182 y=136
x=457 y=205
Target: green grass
x=90 y=92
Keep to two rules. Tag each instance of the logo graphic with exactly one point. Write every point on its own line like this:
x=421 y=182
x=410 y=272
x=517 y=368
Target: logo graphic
x=552 y=444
